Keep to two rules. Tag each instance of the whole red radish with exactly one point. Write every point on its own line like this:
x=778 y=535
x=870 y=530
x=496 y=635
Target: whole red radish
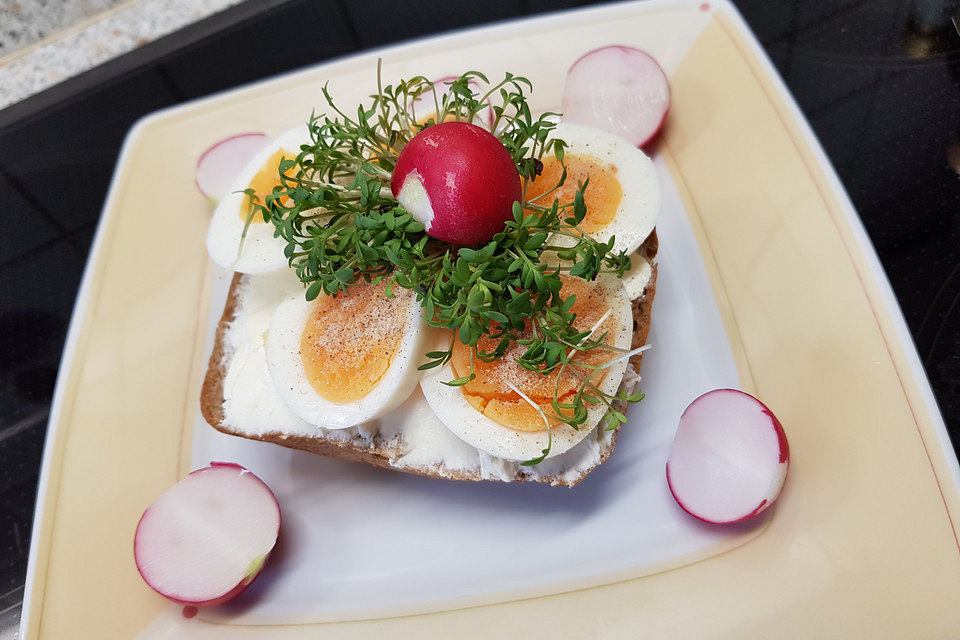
x=729 y=459
x=458 y=180
x=208 y=536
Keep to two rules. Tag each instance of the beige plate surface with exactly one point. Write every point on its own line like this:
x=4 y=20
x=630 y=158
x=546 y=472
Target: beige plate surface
x=864 y=540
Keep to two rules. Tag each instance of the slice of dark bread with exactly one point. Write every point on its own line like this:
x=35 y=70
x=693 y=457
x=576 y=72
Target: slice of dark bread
x=368 y=446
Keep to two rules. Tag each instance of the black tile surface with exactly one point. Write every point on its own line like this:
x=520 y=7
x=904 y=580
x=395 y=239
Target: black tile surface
x=396 y=21
x=29 y=228
x=879 y=81
x=243 y=53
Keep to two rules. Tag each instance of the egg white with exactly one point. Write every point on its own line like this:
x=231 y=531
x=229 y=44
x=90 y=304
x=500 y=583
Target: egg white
x=261 y=251
x=638 y=277
x=457 y=414
x=290 y=379
x=637 y=214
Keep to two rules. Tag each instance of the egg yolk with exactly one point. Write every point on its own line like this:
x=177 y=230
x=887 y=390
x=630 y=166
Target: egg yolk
x=602 y=196
x=350 y=341
x=450 y=117
x=263 y=183
x=489 y=392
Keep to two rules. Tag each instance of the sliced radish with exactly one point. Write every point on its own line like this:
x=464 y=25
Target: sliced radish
x=621 y=90
x=729 y=458
x=208 y=536
x=425 y=106
x=458 y=180
x=220 y=164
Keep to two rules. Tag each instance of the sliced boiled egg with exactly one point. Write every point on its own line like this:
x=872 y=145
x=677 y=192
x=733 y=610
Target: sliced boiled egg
x=341 y=361
x=623 y=195
x=495 y=411
x=638 y=277
x=259 y=250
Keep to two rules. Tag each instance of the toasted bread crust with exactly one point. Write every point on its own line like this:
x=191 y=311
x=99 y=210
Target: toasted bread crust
x=211 y=394
x=376 y=452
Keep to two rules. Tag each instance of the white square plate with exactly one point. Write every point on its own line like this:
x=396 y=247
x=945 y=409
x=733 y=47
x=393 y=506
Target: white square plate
x=361 y=542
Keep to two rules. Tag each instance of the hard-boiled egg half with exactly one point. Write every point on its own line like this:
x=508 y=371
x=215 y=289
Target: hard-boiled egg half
x=341 y=361
x=490 y=413
x=259 y=251
x=623 y=195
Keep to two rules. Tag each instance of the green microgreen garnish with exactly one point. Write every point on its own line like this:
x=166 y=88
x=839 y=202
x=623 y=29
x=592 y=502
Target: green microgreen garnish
x=341 y=223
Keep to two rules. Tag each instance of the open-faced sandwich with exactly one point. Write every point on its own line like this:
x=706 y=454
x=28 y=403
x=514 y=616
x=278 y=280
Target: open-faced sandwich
x=438 y=283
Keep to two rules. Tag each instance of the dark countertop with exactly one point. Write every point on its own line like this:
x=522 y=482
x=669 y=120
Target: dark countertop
x=878 y=80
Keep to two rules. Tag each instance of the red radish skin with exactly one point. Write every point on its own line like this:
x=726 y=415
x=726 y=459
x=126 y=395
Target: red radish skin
x=459 y=181
x=206 y=539
x=729 y=459
x=619 y=89
x=221 y=162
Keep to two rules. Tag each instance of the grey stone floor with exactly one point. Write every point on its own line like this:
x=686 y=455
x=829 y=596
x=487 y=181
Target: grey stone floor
x=24 y=22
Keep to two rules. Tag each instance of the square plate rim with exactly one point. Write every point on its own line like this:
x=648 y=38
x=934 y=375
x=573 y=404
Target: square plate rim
x=868 y=251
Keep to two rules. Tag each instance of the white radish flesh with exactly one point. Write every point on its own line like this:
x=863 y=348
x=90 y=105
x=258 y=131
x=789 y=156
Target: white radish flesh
x=620 y=90
x=729 y=458
x=220 y=164
x=208 y=536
